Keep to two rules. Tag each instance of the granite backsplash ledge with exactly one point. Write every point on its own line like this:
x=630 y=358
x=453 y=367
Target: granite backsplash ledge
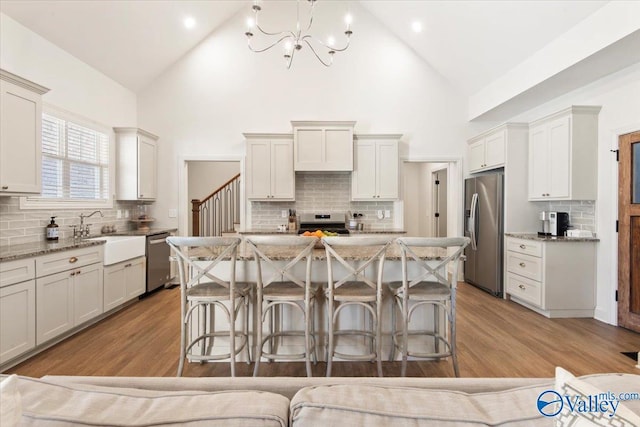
x=19 y=226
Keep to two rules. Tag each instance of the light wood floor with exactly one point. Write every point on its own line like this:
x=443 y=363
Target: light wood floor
x=496 y=338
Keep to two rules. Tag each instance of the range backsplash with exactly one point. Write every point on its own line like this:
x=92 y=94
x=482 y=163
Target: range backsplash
x=28 y=225
x=320 y=192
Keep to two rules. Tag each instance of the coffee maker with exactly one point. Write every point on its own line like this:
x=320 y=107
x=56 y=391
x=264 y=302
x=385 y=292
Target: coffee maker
x=553 y=223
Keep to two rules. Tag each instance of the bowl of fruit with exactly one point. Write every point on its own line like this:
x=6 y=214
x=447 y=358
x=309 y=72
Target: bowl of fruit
x=319 y=234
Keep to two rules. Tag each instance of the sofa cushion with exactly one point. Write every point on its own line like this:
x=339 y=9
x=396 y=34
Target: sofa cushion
x=384 y=406
x=49 y=404
x=594 y=400
x=10 y=405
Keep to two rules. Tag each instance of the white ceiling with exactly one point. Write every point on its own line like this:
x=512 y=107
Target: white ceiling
x=471 y=43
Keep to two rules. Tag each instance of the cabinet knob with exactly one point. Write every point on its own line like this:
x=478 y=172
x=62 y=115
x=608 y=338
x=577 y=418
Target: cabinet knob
x=72 y=260
x=73 y=273
x=127 y=265
x=522 y=264
x=523 y=247
x=5 y=187
x=142 y=195
x=521 y=287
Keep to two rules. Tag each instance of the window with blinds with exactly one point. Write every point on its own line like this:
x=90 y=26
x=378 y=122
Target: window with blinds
x=75 y=161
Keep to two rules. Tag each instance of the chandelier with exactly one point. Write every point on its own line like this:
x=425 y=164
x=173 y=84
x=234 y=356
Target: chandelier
x=293 y=41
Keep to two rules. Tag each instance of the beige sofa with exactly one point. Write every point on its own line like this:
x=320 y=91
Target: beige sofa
x=110 y=401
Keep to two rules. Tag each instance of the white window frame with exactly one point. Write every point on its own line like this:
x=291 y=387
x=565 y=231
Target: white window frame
x=38 y=202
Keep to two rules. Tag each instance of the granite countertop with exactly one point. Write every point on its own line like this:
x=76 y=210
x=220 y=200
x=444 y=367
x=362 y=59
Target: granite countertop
x=295 y=232
x=26 y=250
x=149 y=232
x=534 y=236
x=379 y=231
x=287 y=253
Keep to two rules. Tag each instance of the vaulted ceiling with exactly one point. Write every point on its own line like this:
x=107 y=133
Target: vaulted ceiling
x=471 y=43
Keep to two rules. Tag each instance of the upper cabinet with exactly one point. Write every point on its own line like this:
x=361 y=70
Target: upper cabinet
x=375 y=175
x=323 y=146
x=269 y=167
x=20 y=135
x=487 y=151
x=563 y=160
x=136 y=165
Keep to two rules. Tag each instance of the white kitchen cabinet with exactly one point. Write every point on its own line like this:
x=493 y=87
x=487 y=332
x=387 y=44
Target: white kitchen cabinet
x=323 y=146
x=69 y=290
x=136 y=175
x=54 y=304
x=375 y=175
x=563 y=155
x=123 y=282
x=554 y=278
x=488 y=151
x=87 y=293
x=17 y=308
x=269 y=167
x=20 y=135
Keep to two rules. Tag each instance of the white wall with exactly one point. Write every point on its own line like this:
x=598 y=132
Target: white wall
x=202 y=104
x=619 y=96
x=74 y=86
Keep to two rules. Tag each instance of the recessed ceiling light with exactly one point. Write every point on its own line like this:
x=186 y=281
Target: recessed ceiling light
x=189 y=22
x=417 y=26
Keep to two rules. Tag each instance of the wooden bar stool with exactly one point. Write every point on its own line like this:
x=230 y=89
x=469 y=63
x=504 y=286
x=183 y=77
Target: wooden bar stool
x=203 y=291
x=279 y=285
x=430 y=285
x=355 y=289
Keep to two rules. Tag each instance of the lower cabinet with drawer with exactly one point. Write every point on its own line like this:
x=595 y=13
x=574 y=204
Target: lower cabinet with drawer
x=69 y=289
x=44 y=297
x=555 y=278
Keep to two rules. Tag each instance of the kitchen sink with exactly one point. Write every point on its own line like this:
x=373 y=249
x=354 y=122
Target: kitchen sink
x=122 y=248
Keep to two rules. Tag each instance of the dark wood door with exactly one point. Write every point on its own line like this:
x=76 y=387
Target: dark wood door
x=629 y=232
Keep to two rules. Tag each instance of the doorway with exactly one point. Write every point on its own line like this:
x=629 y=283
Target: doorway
x=629 y=231
x=202 y=178
x=431 y=197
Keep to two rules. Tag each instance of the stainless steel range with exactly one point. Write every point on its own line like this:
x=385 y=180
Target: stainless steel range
x=333 y=222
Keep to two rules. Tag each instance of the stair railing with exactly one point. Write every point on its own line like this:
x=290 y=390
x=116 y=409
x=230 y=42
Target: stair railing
x=218 y=212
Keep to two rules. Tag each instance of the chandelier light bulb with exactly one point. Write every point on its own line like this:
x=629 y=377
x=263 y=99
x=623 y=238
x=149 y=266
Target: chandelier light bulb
x=331 y=41
x=348 y=19
x=250 y=23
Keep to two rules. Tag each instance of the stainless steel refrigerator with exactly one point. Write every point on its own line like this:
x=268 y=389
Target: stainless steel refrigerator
x=483 y=214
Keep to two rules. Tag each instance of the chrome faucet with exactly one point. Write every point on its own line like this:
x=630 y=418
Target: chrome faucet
x=84 y=229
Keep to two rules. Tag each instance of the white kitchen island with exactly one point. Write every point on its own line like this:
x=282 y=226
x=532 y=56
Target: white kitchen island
x=351 y=317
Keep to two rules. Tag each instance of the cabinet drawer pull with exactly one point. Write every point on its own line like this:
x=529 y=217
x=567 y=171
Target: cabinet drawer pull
x=72 y=260
x=142 y=195
x=5 y=187
x=127 y=265
x=72 y=273
x=522 y=264
x=523 y=246
x=522 y=287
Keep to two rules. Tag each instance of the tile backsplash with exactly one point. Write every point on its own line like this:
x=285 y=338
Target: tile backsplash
x=321 y=192
x=28 y=225
x=582 y=213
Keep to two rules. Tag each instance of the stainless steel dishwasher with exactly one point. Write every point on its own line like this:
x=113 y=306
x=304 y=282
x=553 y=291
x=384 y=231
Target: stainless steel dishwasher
x=158 y=264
